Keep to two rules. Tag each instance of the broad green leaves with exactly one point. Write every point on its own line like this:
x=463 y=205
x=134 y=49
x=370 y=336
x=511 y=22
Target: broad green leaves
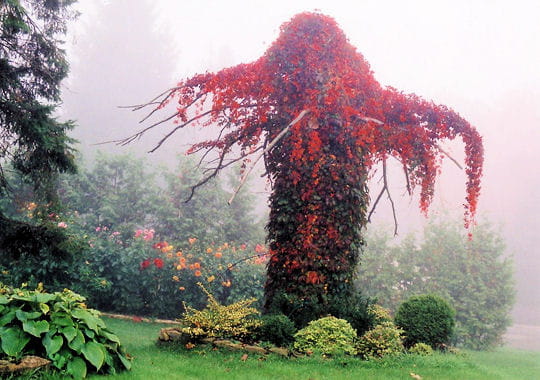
x=36 y=328
x=77 y=368
x=52 y=343
x=13 y=341
x=59 y=327
x=94 y=353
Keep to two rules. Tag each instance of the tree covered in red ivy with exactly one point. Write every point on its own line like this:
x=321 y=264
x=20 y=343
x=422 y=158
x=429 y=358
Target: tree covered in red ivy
x=312 y=108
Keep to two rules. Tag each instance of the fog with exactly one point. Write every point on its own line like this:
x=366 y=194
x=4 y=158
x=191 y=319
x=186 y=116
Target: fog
x=481 y=58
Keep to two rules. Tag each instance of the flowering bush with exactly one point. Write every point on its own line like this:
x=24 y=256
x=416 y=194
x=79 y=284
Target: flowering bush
x=146 y=276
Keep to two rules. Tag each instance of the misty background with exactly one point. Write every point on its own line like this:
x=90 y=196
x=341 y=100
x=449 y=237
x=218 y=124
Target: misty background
x=480 y=58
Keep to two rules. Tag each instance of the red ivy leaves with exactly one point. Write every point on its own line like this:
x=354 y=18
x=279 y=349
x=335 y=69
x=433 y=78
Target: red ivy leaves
x=312 y=66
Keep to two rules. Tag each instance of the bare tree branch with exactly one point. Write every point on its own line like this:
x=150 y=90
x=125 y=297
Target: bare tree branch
x=174 y=129
x=385 y=179
x=386 y=190
x=450 y=157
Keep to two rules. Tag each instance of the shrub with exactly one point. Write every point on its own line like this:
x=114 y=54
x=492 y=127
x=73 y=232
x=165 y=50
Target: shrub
x=233 y=321
x=426 y=319
x=421 y=349
x=384 y=339
x=328 y=335
x=379 y=314
x=277 y=329
x=302 y=310
x=58 y=326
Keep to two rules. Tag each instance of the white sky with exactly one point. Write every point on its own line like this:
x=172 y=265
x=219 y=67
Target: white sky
x=474 y=49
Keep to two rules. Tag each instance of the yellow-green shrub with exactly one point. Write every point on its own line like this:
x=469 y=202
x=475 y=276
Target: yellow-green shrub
x=382 y=340
x=379 y=314
x=421 y=349
x=220 y=321
x=328 y=335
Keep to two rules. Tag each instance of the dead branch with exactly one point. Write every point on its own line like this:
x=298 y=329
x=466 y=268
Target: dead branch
x=153 y=101
x=450 y=157
x=180 y=126
x=386 y=190
x=269 y=147
x=375 y=204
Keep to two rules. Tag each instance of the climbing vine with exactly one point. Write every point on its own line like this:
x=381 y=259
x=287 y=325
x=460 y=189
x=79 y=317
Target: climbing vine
x=311 y=107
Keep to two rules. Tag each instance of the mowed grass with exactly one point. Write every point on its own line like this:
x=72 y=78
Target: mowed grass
x=167 y=362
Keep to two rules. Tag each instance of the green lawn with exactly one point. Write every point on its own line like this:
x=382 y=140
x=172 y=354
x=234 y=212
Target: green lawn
x=165 y=362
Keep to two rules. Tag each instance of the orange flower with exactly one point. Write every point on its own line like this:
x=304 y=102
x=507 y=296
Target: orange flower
x=179 y=253
x=192 y=240
x=218 y=255
x=175 y=278
x=197 y=265
x=211 y=278
x=167 y=248
x=198 y=273
x=169 y=255
x=209 y=250
x=181 y=288
x=226 y=283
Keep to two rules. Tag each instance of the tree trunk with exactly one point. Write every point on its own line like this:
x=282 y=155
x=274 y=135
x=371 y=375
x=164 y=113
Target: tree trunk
x=317 y=211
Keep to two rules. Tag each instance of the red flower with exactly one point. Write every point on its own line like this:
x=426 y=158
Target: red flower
x=158 y=263
x=145 y=264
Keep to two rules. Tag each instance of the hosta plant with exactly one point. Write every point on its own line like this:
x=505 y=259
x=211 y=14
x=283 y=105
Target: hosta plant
x=58 y=326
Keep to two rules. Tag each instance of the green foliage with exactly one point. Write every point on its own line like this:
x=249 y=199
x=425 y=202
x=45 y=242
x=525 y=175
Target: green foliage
x=328 y=335
x=234 y=321
x=277 y=329
x=124 y=193
x=426 y=319
x=33 y=143
x=32 y=66
x=421 y=349
x=384 y=339
x=379 y=314
x=58 y=326
x=34 y=253
x=206 y=216
x=354 y=309
x=118 y=192
x=474 y=274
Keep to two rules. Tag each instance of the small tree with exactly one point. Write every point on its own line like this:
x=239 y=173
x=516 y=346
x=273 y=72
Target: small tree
x=32 y=141
x=312 y=108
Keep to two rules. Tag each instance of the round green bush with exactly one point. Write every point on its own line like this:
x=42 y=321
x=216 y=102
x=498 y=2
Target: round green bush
x=328 y=335
x=421 y=349
x=277 y=329
x=384 y=339
x=426 y=319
